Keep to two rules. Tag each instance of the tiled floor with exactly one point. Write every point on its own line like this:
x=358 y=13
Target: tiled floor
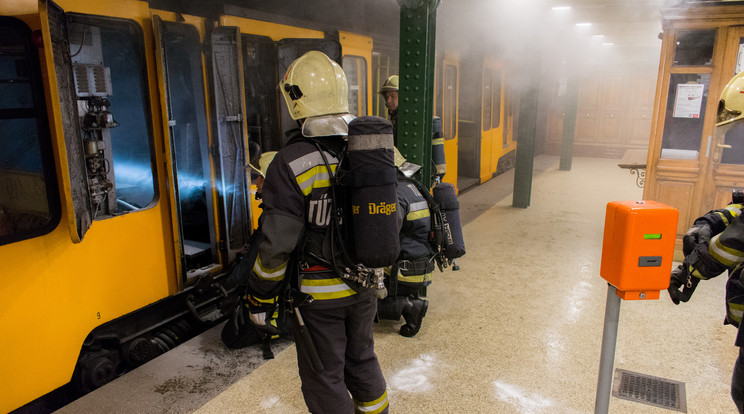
x=517 y=330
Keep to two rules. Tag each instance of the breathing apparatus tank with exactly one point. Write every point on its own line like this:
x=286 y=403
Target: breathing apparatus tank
x=371 y=178
x=446 y=197
x=437 y=149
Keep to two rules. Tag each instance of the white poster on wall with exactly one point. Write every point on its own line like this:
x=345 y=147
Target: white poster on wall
x=689 y=100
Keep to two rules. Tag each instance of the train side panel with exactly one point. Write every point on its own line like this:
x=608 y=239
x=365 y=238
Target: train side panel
x=56 y=291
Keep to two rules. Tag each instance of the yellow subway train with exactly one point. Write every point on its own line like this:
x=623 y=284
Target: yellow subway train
x=124 y=133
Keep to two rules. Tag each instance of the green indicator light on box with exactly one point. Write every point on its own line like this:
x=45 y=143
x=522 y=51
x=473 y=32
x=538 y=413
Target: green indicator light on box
x=652 y=236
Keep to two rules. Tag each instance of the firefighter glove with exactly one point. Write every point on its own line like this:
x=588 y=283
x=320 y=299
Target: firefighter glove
x=681 y=279
x=261 y=313
x=699 y=233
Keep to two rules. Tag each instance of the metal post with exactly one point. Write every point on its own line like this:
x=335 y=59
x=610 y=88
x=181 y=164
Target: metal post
x=569 y=123
x=416 y=100
x=526 y=129
x=607 y=358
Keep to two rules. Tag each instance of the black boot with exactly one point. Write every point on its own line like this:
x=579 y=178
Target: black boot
x=392 y=307
x=413 y=316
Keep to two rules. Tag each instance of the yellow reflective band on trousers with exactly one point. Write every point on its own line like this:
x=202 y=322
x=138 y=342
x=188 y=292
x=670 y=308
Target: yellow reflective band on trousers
x=264 y=273
x=322 y=289
x=415 y=278
x=728 y=256
x=372 y=407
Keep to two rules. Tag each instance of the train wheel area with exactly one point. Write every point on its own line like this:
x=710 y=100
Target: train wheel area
x=178 y=381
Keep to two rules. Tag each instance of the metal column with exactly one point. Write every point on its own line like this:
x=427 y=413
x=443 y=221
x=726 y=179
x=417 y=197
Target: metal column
x=416 y=96
x=607 y=358
x=526 y=131
x=569 y=123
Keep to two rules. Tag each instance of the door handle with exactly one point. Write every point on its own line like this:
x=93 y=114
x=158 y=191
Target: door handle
x=723 y=145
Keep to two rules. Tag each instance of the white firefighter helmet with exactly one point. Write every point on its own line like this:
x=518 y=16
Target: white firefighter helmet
x=391 y=84
x=315 y=85
x=261 y=163
x=731 y=105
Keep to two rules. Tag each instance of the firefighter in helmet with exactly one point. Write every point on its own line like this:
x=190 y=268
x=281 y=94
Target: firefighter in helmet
x=258 y=167
x=389 y=92
x=415 y=265
x=715 y=244
x=333 y=332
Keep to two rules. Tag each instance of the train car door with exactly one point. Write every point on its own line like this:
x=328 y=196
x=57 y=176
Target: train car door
x=492 y=128
x=229 y=107
x=357 y=56
x=449 y=97
x=468 y=123
x=180 y=61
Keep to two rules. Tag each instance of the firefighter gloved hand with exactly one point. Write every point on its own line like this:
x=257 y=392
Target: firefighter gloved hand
x=681 y=278
x=260 y=313
x=699 y=233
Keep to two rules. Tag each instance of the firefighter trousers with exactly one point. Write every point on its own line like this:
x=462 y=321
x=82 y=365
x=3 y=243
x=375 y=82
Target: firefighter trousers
x=342 y=337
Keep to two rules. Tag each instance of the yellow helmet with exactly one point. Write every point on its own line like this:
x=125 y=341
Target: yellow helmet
x=398 y=158
x=731 y=105
x=315 y=85
x=391 y=84
x=261 y=163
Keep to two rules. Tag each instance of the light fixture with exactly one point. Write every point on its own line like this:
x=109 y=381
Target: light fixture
x=561 y=8
x=607 y=44
x=583 y=24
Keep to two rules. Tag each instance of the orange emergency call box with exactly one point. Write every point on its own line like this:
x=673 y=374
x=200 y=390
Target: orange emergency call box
x=638 y=247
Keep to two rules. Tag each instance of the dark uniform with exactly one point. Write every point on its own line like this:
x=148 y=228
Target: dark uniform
x=414 y=267
x=707 y=259
x=297 y=213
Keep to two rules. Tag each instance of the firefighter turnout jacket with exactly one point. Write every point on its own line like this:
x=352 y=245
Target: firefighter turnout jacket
x=725 y=252
x=297 y=213
x=416 y=261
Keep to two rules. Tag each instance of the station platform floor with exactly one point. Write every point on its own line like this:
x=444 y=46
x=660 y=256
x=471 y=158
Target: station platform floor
x=518 y=329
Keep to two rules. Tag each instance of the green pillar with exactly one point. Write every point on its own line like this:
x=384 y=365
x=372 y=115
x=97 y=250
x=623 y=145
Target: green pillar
x=416 y=96
x=569 y=123
x=526 y=131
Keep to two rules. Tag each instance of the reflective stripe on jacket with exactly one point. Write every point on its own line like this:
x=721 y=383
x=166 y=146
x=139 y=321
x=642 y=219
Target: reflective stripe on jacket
x=297 y=200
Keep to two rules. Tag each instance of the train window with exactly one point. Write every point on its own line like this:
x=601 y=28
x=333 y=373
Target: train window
x=29 y=200
x=112 y=92
x=355 y=68
x=685 y=112
x=449 y=112
x=487 y=95
x=694 y=47
x=496 y=105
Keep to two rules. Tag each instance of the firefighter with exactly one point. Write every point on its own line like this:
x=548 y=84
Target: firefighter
x=333 y=318
x=715 y=244
x=389 y=92
x=415 y=265
x=258 y=167
x=238 y=333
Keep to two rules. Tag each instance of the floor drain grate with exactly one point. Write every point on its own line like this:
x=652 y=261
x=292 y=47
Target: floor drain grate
x=650 y=390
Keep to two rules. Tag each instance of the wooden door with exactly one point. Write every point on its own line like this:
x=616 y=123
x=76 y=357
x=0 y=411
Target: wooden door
x=682 y=170
x=726 y=160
